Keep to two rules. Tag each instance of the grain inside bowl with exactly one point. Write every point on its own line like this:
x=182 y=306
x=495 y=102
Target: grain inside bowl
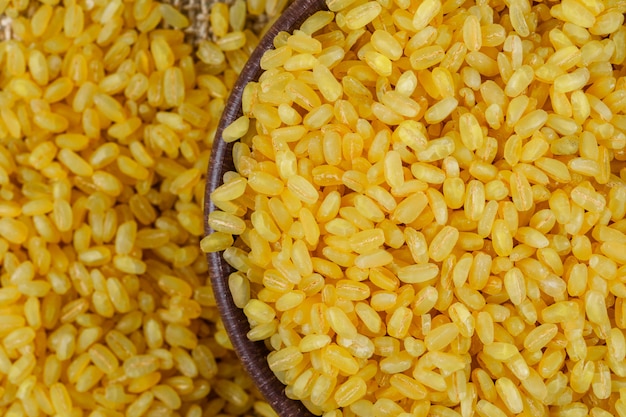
x=427 y=213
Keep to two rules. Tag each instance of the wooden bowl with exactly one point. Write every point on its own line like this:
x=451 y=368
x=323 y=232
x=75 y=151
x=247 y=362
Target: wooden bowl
x=252 y=354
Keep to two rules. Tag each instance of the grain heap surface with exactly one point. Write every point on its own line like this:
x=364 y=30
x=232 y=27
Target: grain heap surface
x=427 y=216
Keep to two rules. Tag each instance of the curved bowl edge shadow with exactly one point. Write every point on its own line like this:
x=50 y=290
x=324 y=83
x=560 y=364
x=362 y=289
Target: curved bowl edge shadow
x=252 y=354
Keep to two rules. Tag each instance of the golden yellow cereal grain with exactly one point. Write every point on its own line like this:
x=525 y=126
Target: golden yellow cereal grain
x=425 y=13
x=173 y=17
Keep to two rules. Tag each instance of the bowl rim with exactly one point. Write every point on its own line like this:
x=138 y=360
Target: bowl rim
x=253 y=355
